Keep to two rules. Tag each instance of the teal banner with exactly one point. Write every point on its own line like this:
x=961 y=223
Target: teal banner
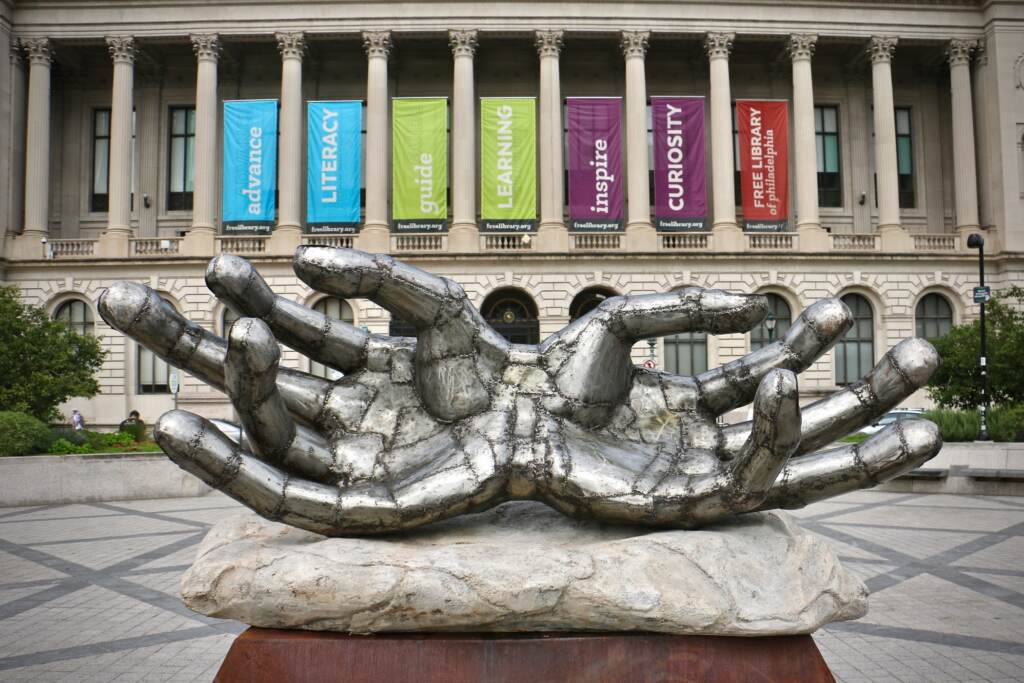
x=334 y=166
x=250 y=166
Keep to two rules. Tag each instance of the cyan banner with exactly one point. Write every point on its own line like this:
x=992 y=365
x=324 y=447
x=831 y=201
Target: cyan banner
x=334 y=166
x=250 y=166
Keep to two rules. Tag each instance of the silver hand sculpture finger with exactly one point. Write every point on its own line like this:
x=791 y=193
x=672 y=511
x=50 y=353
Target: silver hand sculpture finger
x=458 y=419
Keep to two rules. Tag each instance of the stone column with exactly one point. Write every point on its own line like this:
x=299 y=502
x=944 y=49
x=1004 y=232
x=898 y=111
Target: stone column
x=965 y=177
x=727 y=234
x=465 y=236
x=114 y=240
x=375 y=235
x=640 y=233
x=16 y=135
x=287 y=234
x=204 y=193
x=37 y=143
x=808 y=222
x=893 y=236
x=551 y=233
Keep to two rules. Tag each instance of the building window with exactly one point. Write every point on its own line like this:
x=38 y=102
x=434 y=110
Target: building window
x=181 y=158
x=337 y=309
x=687 y=353
x=154 y=373
x=589 y=299
x=826 y=134
x=77 y=315
x=855 y=353
x=99 y=199
x=934 y=316
x=904 y=158
x=513 y=315
x=780 y=312
x=737 y=187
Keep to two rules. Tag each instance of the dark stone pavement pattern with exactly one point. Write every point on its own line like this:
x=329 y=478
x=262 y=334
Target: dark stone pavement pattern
x=88 y=592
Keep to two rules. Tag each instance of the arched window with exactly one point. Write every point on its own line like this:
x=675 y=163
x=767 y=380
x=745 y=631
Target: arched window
x=339 y=310
x=855 y=353
x=77 y=315
x=934 y=316
x=227 y=318
x=512 y=314
x=589 y=299
x=153 y=372
x=778 y=311
x=687 y=353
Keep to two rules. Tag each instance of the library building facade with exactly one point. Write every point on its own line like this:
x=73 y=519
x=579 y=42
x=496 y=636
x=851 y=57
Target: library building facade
x=545 y=155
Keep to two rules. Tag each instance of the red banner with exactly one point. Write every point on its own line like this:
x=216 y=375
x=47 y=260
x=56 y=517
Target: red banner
x=764 y=163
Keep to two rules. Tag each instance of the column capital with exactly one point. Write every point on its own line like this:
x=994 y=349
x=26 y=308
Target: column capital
x=17 y=54
x=634 y=43
x=377 y=43
x=719 y=45
x=39 y=50
x=463 y=43
x=959 y=51
x=981 y=53
x=548 y=42
x=801 y=45
x=291 y=44
x=206 y=46
x=122 y=48
x=881 y=48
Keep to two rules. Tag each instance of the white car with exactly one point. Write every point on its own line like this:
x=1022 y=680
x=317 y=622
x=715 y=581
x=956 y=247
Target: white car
x=890 y=417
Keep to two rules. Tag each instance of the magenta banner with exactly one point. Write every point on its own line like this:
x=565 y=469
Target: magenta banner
x=595 y=163
x=680 y=181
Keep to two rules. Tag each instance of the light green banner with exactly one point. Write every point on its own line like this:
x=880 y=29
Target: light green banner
x=419 y=164
x=508 y=163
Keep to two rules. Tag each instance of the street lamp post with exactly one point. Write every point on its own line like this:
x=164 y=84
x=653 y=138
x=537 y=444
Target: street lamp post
x=976 y=241
x=769 y=324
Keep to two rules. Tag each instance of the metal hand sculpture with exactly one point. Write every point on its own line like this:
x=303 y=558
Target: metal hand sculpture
x=459 y=420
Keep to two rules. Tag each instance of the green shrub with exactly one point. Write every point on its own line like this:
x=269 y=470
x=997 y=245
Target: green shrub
x=1006 y=423
x=65 y=447
x=22 y=434
x=75 y=436
x=955 y=425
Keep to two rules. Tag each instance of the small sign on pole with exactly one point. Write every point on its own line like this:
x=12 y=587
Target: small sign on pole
x=982 y=295
x=174 y=383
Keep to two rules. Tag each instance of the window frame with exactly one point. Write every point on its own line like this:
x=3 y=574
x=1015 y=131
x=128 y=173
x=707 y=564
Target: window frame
x=834 y=193
x=85 y=326
x=693 y=342
x=99 y=202
x=759 y=337
x=906 y=182
x=181 y=201
x=922 y=319
x=322 y=306
x=852 y=339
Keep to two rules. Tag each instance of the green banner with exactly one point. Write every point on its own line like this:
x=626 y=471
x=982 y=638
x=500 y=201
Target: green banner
x=419 y=164
x=508 y=164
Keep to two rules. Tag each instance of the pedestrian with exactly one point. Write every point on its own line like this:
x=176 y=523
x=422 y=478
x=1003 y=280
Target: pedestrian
x=133 y=425
x=77 y=421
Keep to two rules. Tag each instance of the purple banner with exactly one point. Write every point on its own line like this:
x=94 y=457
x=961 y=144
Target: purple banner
x=680 y=182
x=595 y=163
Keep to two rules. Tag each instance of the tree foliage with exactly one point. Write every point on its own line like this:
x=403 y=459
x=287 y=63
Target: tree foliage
x=957 y=382
x=42 y=362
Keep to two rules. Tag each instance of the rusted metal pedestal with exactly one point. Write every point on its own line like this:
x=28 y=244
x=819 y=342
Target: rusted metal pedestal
x=317 y=657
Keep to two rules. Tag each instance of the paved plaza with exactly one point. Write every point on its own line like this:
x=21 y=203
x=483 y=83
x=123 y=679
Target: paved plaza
x=89 y=592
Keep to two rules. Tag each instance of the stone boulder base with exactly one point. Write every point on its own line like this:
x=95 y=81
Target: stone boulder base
x=524 y=567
